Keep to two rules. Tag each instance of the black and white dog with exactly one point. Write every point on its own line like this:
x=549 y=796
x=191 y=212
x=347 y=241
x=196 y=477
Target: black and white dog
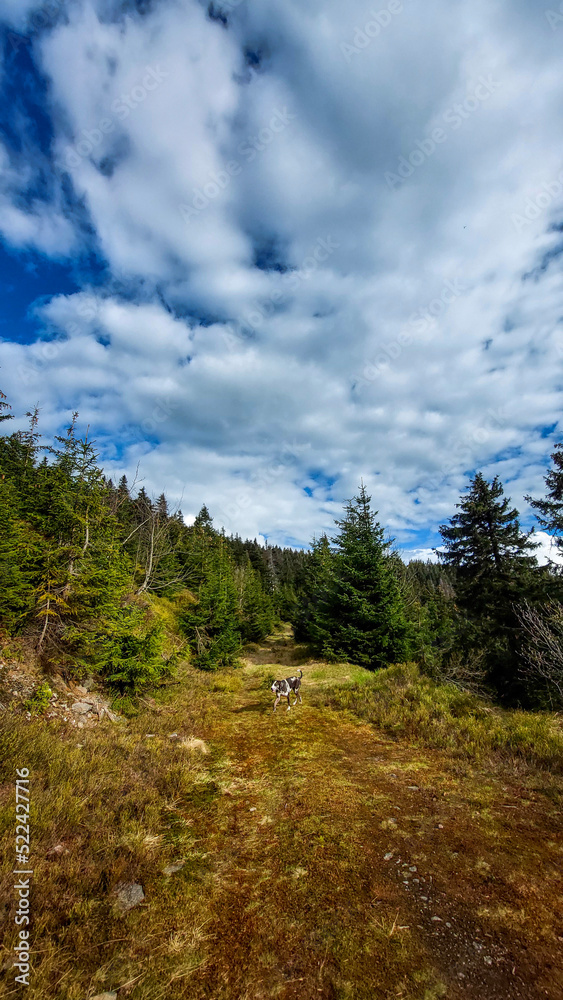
x=284 y=688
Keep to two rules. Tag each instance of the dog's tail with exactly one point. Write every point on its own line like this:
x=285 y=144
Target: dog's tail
x=300 y=673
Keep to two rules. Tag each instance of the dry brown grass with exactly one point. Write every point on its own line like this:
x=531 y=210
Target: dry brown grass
x=298 y=833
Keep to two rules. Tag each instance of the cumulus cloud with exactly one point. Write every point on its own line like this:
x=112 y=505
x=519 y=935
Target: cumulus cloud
x=337 y=242
x=27 y=221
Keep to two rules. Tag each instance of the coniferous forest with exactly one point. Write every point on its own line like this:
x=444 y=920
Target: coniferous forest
x=91 y=569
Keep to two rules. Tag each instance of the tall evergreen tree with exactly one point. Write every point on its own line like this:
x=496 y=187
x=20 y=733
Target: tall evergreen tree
x=4 y=407
x=203 y=520
x=485 y=545
x=550 y=510
x=360 y=615
x=211 y=620
x=495 y=569
x=318 y=576
x=256 y=608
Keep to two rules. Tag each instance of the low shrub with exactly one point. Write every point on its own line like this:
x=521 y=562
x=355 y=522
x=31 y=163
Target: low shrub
x=39 y=700
x=405 y=703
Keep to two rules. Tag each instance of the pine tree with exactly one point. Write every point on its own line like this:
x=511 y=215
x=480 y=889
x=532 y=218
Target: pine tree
x=211 y=621
x=4 y=406
x=204 y=521
x=256 y=608
x=495 y=570
x=360 y=615
x=21 y=552
x=486 y=547
x=318 y=576
x=550 y=510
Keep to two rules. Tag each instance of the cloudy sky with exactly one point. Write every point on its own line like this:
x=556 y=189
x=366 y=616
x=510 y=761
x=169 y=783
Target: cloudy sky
x=267 y=248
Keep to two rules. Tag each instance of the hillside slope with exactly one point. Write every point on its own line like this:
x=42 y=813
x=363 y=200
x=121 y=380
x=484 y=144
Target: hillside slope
x=298 y=855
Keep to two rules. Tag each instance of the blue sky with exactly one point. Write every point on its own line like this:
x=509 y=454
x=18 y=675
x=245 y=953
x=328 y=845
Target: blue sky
x=268 y=249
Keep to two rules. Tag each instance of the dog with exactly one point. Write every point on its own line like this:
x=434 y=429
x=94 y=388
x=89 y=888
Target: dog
x=284 y=688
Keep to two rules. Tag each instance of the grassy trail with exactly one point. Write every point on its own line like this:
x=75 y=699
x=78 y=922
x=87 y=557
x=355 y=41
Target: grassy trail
x=320 y=859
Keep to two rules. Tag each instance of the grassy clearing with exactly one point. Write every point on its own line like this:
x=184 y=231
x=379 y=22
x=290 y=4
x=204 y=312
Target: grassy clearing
x=109 y=806
x=282 y=826
x=404 y=703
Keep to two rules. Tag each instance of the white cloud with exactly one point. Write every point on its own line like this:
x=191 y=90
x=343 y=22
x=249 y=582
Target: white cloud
x=547 y=551
x=40 y=224
x=360 y=361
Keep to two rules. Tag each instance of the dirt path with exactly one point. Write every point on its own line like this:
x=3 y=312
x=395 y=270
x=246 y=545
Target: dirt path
x=295 y=856
x=351 y=866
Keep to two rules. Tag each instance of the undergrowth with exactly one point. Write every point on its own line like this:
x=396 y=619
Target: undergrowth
x=405 y=703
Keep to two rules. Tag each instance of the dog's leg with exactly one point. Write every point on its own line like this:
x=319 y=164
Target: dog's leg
x=289 y=702
x=277 y=701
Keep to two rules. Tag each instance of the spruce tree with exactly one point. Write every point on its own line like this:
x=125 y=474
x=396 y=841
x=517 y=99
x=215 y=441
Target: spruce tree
x=360 y=615
x=495 y=569
x=203 y=521
x=21 y=553
x=256 y=608
x=3 y=407
x=550 y=509
x=318 y=576
x=485 y=545
x=211 y=620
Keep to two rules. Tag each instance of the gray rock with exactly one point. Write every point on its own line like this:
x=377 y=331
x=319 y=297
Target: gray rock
x=88 y=683
x=81 y=707
x=128 y=895
x=105 y=996
x=79 y=690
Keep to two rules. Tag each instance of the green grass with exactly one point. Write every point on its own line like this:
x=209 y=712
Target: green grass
x=404 y=703
x=281 y=825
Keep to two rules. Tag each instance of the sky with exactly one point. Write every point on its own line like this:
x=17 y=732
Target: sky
x=269 y=249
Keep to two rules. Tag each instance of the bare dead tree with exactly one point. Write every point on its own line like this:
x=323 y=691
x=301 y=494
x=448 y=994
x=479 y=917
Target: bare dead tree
x=543 y=650
x=155 y=546
x=466 y=671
